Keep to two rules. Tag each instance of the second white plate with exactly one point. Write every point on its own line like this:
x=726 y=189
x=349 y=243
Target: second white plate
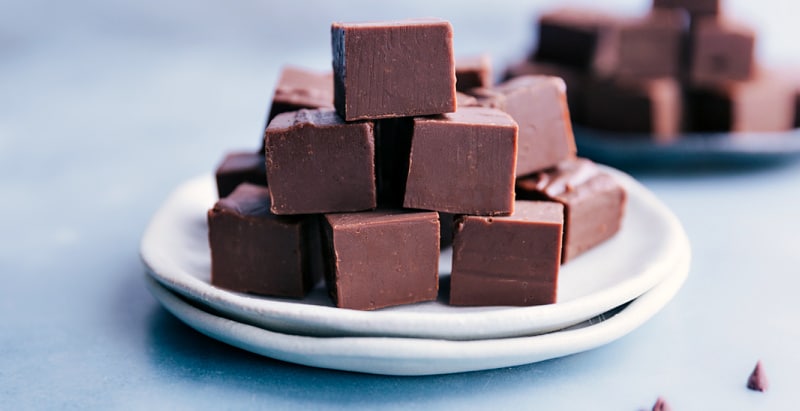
x=420 y=356
x=175 y=250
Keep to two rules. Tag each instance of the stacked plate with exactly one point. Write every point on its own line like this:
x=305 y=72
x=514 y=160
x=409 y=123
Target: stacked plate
x=602 y=295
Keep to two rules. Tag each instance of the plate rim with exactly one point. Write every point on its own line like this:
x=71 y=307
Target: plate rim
x=284 y=316
x=420 y=356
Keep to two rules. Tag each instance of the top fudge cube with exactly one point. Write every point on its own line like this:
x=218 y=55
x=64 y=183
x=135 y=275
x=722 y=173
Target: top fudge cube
x=393 y=68
x=317 y=163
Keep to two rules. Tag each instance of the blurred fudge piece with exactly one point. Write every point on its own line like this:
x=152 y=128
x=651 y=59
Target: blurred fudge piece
x=594 y=202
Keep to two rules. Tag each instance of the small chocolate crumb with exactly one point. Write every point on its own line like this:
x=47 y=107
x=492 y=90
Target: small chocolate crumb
x=758 y=380
x=661 y=405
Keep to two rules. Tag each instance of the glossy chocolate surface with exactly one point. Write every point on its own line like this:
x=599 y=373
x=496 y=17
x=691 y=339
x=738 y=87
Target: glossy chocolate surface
x=593 y=202
x=510 y=260
x=381 y=258
x=255 y=251
x=393 y=68
x=317 y=163
x=463 y=163
x=240 y=167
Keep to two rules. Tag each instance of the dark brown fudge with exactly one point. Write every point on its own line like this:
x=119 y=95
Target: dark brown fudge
x=392 y=151
x=510 y=260
x=240 y=167
x=721 y=50
x=661 y=405
x=381 y=258
x=695 y=7
x=571 y=36
x=765 y=103
x=463 y=163
x=539 y=106
x=593 y=202
x=317 y=163
x=575 y=79
x=299 y=88
x=646 y=107
x=757 y=381
x=255 y=251
x=472 y=72
x=393 y=68
x=647 y=47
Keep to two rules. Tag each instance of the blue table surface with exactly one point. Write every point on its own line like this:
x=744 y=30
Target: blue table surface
x=105 y=107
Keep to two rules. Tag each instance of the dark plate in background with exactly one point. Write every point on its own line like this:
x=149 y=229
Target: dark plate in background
x=689 y=150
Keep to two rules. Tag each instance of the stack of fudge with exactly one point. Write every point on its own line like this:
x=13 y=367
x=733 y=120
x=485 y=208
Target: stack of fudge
x=683 y=67
x=368 y=171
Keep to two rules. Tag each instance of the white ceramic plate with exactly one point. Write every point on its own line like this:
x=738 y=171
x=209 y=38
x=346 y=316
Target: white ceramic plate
x=419 y=356
x=175 y=251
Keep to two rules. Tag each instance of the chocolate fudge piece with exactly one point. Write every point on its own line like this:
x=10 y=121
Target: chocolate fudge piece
x=381 y=258
x=299 y=88
x=644 y=48
x=510 y=260
x=661 y=405
x=463 y=163
x=570 y=36
x=392 y=151
x=647 y=107
x=721 y=50
x=695 y=7
x=539 y=106
x=317 y=163
x=757 y=381
x=465 y=100
x=255 y=251
x=240 y=167
x=472 y=72
x=765 y=103
x=593 y=202
x=393 y=68
x=575 y=79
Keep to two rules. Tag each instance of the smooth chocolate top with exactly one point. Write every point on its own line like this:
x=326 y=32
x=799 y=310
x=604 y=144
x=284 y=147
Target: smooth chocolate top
x=473 y=71
x=393 y=68
x=302 y=87
x=241 y=160
x=696 y=7
x=473 y=115
x=379 y=217
x=247 y=200
x=318 y=163
x=564 y=178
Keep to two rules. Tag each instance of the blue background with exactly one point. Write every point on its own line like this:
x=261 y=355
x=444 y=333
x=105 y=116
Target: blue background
x=106 y=106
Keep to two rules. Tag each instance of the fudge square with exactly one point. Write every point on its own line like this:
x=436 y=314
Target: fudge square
x=645 y=107
x=721 y=50
x=510 y=260
x=317 y=163
x=255 y=251
x=299 y=88
x=644 y=47
x=393 y=68
x=593 y=202
x=238 y=167
x=539 y=106
x=463 y=163
x=381 y=258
